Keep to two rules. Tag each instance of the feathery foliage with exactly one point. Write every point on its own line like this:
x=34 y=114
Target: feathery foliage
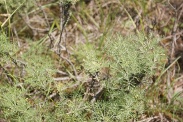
x=133 y=57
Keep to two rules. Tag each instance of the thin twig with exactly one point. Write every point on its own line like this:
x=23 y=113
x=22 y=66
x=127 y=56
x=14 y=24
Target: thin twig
x=47 y=22
x=64 y=17
x=72 y=65
x=35 y=30
x=61 y=78
x=149 y=119
x=44 y=13
x=97 y=94
x=8 y=75
x=61 y=72
x=177 y=34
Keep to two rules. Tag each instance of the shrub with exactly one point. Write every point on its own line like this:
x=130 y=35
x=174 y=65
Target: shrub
x=39 y=67
x=14 y=106
x=129 y=58
x=131 y=61
x=133 y=57
x=6 y=48
x=24 y=99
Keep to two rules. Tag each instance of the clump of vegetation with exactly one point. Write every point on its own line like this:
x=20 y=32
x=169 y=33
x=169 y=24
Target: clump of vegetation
x=131 y=60
x=111 y=77
x=127 y=58
x=6 y=47
x=15 y=106
x=28 y=75
x=38 y=67
x=91 y=58
x=121 y=106
x=133 y=57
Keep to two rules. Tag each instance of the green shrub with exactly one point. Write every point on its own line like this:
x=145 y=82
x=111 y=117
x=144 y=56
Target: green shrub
x=120 y=107
x=39 y=67
x=131 y=61
x=91 y=58
x=129 y=58
x=133 y=57
x=25 y=100
x=6 y=49
x=14 y=106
